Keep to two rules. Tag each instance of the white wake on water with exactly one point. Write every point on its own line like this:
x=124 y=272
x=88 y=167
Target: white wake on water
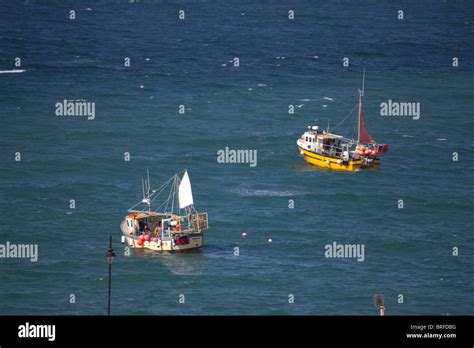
x=244 y=192
x=14 y=71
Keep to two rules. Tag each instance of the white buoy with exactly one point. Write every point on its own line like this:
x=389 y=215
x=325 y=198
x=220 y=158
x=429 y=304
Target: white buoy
x=245 y=235
x=270 y=240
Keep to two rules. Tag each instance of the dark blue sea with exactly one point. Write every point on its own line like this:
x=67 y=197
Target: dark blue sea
x=423 y=252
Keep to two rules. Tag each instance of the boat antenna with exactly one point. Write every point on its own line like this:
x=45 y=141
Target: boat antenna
x=146 y=190
x=148 y=181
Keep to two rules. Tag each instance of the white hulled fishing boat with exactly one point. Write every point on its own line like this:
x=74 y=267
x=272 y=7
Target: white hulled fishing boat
x=173 y=226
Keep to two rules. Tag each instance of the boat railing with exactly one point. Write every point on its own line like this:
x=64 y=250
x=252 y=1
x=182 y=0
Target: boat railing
x=199 y=222
x=331 y=150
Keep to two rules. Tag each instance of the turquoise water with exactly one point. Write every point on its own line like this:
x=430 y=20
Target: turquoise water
x=408 y=251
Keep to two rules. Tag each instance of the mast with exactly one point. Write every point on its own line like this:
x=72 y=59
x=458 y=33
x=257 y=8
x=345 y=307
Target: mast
x=360 y=115
x=362 y=135
x=361 y=94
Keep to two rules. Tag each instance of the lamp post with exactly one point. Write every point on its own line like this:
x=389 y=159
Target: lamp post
x=379 y=303
x=110 y=255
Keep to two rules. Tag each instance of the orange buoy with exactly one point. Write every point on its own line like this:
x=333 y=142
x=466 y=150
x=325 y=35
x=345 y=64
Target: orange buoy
x=140 y=242
x=142 y=237
x=373 y=152
x=147 y=237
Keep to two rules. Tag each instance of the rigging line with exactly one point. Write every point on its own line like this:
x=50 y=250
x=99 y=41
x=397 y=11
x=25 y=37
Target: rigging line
x=163 y=186
x=160 y=206
x=161 y=189
x=355 y=127
x=174 y=193
x=345 y=118
x=157 y=194
x=170 y=194
x=167 y=201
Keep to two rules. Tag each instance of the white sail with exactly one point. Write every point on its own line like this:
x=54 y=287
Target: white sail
x=185 y=192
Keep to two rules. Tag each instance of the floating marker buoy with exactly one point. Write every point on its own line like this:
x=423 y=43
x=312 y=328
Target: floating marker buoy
x=270 y=240
x=245 y=235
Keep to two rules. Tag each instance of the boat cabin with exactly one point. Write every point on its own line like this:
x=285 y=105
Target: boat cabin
x=324 y=143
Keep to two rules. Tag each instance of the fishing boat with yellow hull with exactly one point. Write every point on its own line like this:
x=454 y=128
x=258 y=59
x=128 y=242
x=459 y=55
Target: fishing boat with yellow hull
x=332 y=151
x=174 y=226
